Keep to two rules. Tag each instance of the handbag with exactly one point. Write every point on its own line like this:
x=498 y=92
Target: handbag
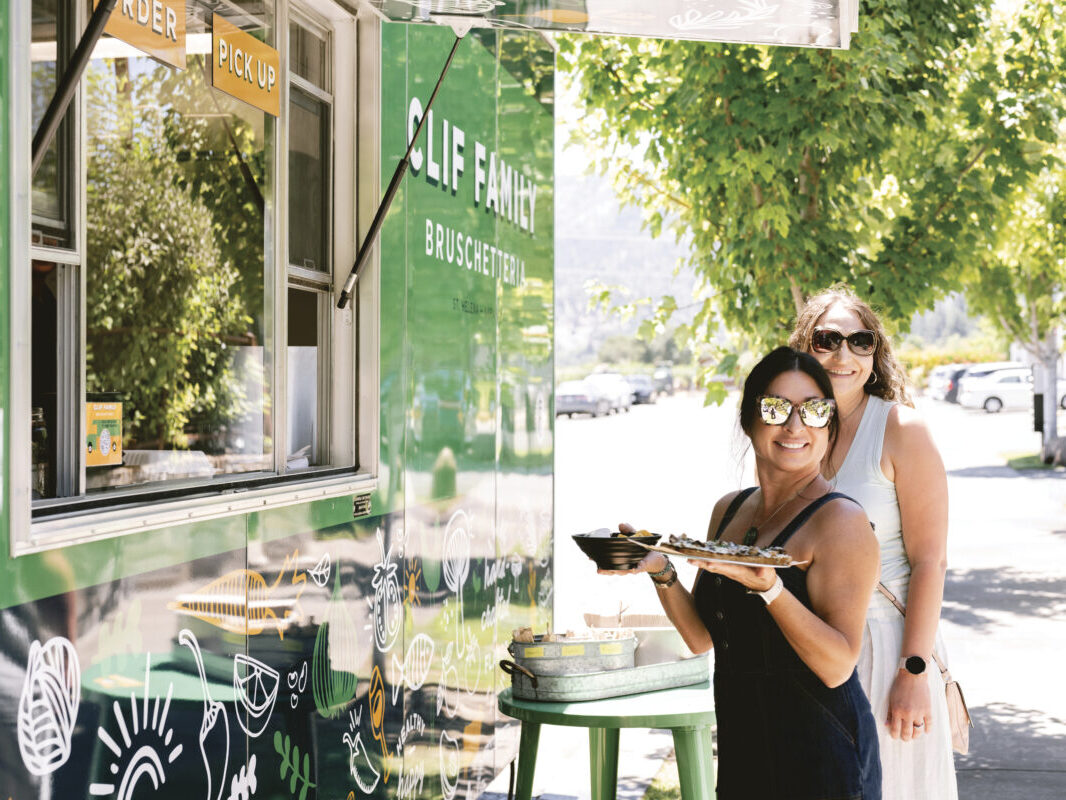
x=958 y=715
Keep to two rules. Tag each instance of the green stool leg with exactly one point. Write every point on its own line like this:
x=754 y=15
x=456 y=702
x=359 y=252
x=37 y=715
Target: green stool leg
x=527 y=760
x=603 y=762
x=695 y=763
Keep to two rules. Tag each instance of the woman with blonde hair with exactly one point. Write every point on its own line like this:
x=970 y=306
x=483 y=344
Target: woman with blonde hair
x=885 y=459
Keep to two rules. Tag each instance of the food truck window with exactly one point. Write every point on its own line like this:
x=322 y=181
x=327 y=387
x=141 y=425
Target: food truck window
x=184 y=332
x=51 y=37
x=310 y=145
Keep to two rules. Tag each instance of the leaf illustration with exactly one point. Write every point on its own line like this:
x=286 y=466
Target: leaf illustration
x=295 y=762
x=307 y=771
x=283 y=746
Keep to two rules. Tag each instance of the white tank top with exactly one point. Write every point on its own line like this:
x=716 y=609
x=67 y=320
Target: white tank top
x=861 y=478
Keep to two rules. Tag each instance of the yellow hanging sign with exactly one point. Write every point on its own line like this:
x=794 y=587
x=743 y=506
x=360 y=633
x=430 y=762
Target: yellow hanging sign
x=244 y=67
x=103 y=434
x=155 y=27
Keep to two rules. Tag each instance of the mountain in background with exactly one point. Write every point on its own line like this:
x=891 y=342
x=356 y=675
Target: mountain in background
x=598 y=240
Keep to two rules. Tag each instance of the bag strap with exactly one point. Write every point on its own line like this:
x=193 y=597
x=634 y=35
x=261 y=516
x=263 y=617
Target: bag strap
x=902 y=610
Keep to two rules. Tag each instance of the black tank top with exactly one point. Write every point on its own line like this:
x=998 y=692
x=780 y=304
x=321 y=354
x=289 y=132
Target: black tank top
x=782 y=733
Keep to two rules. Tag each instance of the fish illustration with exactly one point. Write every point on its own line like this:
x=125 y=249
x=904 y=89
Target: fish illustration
x=242 y=602
x=359 y=758
x=415 y=667
x=214 y=728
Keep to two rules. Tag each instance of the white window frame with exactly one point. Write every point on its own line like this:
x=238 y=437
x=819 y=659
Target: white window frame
x=353 y=425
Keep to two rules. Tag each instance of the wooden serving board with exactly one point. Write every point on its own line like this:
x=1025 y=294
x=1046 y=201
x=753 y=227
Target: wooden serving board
x=724 y=558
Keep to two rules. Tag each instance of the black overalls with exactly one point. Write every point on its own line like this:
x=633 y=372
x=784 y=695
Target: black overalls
x=782 y=733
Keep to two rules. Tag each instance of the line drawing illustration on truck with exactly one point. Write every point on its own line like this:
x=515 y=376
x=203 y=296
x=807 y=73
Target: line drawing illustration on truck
x=48 y=707
x=142 y=744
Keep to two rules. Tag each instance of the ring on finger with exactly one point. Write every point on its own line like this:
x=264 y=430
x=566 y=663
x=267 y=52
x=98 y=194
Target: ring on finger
x=918 y=724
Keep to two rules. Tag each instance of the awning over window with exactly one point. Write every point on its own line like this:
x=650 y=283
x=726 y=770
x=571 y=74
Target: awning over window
x=805 y=23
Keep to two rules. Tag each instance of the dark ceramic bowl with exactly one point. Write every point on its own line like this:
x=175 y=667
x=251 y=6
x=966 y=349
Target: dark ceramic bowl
x=614 y=552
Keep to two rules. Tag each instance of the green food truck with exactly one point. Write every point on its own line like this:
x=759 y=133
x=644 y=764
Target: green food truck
x=267 y=520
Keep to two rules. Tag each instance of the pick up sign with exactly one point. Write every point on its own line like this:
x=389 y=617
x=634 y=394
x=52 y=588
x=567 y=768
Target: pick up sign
x=244 y=67
x=155 y=27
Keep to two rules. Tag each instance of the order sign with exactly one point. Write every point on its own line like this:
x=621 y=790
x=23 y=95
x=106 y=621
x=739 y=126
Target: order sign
x=244 y=67
x=155 y=27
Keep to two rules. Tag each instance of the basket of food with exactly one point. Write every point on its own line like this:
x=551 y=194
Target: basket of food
x=615 y=549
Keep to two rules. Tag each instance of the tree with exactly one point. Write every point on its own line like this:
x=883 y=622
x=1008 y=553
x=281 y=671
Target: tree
x=161 y=300
x=792 y=169
x=1022 y=282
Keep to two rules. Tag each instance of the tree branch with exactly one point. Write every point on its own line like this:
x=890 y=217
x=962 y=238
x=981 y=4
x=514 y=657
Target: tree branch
x=947 y=200
x=641 y=179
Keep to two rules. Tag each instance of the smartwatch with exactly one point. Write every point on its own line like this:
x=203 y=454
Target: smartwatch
x=915 y=665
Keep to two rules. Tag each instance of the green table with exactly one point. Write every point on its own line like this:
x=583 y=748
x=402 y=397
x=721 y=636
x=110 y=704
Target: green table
x=688 y=712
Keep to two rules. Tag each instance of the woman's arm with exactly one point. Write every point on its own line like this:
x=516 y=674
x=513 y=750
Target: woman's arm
x=840 y=580
x=677 y=602
x=922 y=491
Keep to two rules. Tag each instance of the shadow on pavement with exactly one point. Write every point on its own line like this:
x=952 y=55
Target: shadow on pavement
x=978 y=598
x=1002 y=471
x=1012 y=738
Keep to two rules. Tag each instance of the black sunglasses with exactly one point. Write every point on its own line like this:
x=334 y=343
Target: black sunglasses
x=828 y=340
x=814 y=413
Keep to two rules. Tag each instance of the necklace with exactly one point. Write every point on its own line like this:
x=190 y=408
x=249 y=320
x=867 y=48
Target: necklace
x=753 y=532
x=859 y=407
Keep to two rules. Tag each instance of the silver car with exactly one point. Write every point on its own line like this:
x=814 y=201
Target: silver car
x=614 y=386
x=580 y=397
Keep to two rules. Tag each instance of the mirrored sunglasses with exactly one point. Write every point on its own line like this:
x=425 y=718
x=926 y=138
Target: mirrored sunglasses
x=814 y=413
x=828 y=340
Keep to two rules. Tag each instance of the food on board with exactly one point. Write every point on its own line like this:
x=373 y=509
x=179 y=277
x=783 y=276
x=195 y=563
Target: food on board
x=729 y=551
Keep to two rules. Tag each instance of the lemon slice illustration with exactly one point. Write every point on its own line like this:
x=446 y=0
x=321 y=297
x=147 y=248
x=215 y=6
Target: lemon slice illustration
x=256 y=687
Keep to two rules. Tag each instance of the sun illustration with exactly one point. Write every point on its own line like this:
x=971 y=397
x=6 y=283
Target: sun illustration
x=143 y=740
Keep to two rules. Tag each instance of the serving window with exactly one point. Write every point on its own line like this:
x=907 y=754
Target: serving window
x=183 y=243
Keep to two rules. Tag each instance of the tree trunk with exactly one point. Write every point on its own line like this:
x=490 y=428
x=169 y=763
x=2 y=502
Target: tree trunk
x=797 y=295
x=1046 y=383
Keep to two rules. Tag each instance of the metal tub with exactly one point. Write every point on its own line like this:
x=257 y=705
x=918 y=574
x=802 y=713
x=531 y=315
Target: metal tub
x=573 y=656
x=611 y=683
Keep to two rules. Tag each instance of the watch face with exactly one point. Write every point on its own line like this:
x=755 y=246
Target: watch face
x=915 y=665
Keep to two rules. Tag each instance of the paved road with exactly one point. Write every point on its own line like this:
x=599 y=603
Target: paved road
x=663 y=466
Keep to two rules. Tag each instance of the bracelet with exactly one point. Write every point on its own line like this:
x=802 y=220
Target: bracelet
x=668 y=569
x=667 y=583
x=770 y=594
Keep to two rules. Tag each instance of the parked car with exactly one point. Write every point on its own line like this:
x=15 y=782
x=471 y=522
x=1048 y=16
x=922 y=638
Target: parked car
x=643 y=388
x=984 y=368
x=615 y=387
x=580 y=397
x=939 y=380
x=663 y=379
x=951 y=391
x=997 y=390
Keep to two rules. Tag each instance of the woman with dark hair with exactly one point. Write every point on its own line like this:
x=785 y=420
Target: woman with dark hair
x=793 y=721
x=886 y=460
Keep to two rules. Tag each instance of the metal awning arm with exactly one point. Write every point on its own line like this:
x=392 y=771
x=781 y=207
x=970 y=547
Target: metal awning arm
x=68 y=84
x=394 y=185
